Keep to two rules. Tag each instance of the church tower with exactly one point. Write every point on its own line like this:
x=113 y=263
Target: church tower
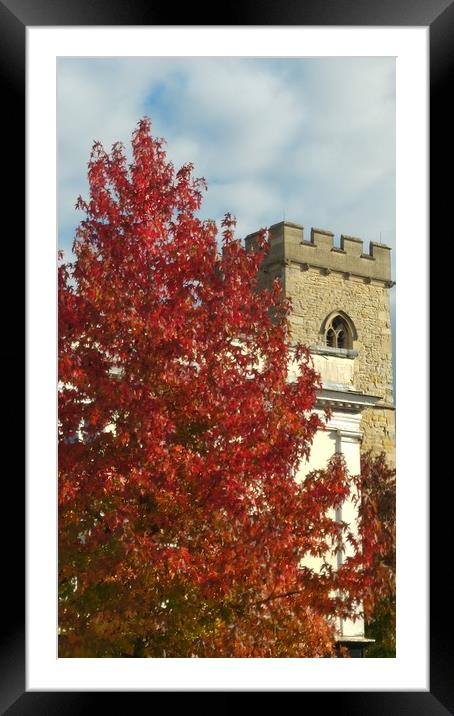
x=341 y=311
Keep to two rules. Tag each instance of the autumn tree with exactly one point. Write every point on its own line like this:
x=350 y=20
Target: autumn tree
x=377 y=527
x=182 y=529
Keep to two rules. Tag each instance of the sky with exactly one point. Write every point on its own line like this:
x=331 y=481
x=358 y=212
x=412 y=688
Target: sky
x=311 y=140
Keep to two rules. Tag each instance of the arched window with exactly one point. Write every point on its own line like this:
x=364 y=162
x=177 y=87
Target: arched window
x=338 y=332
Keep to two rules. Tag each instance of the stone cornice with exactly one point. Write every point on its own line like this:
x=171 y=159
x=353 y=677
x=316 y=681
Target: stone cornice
x=305 y=265
x=336 y=352
x=345 y=400
x=354 y=640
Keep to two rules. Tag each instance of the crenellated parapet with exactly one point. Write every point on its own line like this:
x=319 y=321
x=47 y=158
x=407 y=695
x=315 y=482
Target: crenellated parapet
x=288 y=246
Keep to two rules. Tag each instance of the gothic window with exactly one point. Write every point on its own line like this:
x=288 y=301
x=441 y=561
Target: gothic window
x=338 y=333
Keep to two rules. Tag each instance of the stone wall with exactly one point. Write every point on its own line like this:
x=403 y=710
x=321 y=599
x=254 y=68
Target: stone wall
x=349 y=281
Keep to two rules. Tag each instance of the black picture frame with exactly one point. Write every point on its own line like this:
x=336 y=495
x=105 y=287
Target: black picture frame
x=15 y=17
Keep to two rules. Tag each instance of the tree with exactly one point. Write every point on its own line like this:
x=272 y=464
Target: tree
x=182 y=531
x=377 y=526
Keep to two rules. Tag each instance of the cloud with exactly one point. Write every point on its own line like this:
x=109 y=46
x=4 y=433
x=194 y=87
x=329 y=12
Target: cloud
x=311 y=139
x=314 y=138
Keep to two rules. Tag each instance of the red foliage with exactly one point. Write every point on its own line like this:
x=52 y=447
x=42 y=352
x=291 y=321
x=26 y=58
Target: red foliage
x=182 y=529
x=377 y=527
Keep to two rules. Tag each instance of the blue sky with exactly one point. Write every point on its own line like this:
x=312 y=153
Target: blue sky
x=311 y=139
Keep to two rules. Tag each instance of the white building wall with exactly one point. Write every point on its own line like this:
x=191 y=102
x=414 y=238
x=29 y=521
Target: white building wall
x=342 y=434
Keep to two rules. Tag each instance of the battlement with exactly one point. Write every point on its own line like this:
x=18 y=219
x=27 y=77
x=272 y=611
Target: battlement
x=289 y=246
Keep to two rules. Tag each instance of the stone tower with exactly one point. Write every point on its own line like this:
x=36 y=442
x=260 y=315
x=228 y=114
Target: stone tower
x=341 y=311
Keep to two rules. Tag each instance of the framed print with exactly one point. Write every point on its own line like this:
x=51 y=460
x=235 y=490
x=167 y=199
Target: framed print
x=40 y=44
